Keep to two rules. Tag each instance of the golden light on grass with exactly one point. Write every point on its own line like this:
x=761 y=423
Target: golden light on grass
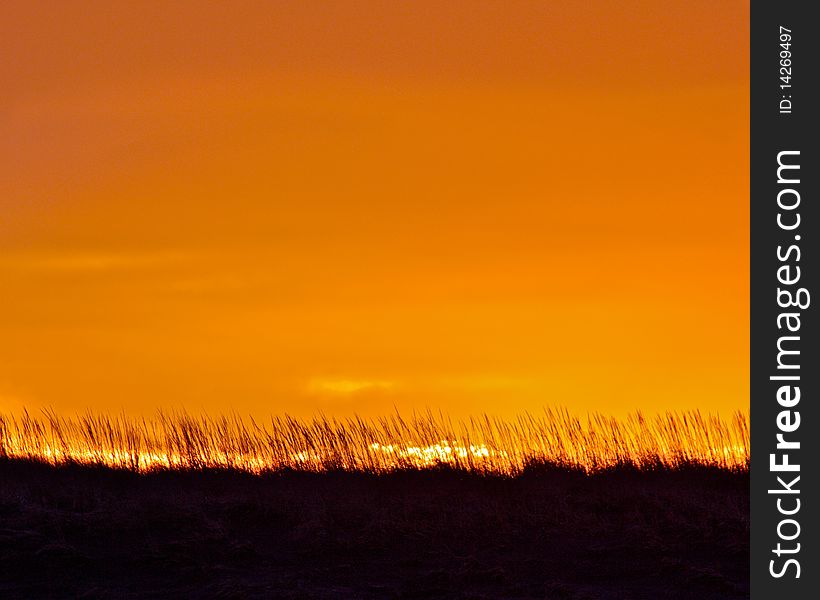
x=484 y=445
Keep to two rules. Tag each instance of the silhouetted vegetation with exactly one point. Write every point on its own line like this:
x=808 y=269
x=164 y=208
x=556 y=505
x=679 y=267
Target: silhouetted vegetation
x=541 y=507
x=483 y=445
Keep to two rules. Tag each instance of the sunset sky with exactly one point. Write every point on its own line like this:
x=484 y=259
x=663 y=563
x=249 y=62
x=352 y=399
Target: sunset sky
x=349 y=206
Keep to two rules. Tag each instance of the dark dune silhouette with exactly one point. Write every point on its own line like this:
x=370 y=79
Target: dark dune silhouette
x=92 y=532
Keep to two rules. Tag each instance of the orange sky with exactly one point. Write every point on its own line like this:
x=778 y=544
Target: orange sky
x=296 y=206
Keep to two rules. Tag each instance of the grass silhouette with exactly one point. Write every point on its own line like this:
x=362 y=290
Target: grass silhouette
x=181 y=441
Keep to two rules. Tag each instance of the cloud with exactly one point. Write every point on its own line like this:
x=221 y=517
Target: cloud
x=85 y=262
x=346 y=387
